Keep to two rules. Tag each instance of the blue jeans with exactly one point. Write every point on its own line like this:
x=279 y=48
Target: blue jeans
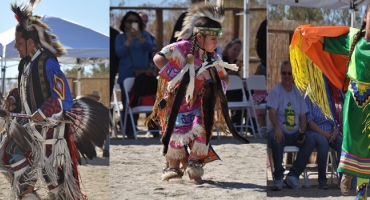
x=300 y=163
x=322 y=147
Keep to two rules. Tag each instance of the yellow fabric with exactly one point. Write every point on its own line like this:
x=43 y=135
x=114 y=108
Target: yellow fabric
x=309 y=61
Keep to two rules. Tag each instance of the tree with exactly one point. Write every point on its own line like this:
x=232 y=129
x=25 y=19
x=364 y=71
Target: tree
x=72 y=72
x=100 y=69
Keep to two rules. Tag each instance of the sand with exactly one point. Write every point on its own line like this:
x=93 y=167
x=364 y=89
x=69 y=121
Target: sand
x=95 y=179
x=136 y=170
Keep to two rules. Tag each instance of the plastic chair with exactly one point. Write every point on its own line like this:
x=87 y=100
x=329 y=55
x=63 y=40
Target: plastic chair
x=293 y=149
x=257 y=82
x=116 y=107
x=127 y=84
x=236 y=83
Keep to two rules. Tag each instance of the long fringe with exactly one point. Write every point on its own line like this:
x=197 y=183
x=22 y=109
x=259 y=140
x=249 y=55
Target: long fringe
x=309 y=78
x=200 y=148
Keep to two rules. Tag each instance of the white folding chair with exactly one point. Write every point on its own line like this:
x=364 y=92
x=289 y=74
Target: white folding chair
x=236 y=83
x=116 y=107
x=287 y=149
x=257 y=82
x=127 y=84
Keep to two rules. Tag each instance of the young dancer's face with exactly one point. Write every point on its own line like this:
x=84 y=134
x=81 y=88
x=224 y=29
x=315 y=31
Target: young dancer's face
x=367 y=21
x=208 y=43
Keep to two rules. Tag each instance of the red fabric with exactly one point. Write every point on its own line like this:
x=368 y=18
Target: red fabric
x=5 y=158
x=74 y=156
x=51 y=106
x=334 y=66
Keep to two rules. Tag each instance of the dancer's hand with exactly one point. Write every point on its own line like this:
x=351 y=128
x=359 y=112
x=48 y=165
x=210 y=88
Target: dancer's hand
x=36 y=117
x=10 y=104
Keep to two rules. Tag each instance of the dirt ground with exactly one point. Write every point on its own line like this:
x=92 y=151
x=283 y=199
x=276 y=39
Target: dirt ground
x=95 y=179
x=136 y=169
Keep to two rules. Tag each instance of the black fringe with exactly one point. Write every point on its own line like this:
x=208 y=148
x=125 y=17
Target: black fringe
x=225 y=108
x=180 y=95
x=208 y=108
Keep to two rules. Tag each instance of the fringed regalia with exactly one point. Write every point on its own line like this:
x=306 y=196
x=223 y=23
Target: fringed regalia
x=47 y=152
x=331 y=59
x=191 y=95
x=188 y=126
x=195 y=116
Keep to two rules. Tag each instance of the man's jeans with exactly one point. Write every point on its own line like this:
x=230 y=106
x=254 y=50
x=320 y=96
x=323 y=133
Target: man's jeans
x=322 y=147
x=304 y=153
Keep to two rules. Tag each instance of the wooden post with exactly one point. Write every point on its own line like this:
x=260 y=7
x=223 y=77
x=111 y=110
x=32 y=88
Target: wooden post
x=159 y=17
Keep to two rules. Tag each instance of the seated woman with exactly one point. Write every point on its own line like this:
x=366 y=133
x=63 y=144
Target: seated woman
x=325 y=133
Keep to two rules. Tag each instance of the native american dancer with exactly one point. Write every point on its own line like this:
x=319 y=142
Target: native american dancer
x=44 y=129
x=191 y=90
x=342 y=54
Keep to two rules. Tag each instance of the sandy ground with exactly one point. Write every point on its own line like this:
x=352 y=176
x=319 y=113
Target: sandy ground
x=95 y=179
x=136 y=169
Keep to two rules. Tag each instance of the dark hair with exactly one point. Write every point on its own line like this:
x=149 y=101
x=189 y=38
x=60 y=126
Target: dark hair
x=285 y=62
x=207 y=22
x=33 y=34
x=357 y=36
x=230 y=44
x=124 y=18
x=204 y=22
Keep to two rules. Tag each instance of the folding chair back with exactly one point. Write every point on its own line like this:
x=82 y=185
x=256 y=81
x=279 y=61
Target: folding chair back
x=236 y=83
x=128 y=84
x=257 y=82
x=116 y=107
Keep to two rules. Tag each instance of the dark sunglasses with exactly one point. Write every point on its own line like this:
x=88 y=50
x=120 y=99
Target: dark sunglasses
x=131 y=21
x=286 y=73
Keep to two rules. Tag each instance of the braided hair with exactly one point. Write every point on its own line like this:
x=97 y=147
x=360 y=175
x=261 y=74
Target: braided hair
x=203 y=22
x=357 y=36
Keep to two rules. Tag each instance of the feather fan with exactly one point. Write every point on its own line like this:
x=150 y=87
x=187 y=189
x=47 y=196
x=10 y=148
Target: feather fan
x=90 y=124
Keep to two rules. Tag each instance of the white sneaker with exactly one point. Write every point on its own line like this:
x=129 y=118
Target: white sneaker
x=292 y=182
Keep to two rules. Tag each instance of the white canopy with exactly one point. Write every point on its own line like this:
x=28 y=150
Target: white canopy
x=83 y=44
x=329 y=4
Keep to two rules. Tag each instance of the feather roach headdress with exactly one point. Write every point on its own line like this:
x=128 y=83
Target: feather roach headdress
x=30 y=22
x=213 y=11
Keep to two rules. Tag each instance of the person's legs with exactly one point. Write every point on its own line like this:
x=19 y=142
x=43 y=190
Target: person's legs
x=277 y=150
x=298 y=166
x=322 y=147
x=175 y=154
x=106 y=147
x=198 y=148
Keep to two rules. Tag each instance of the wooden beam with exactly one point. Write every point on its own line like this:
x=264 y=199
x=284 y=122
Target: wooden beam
x=236 y=22
x=159 y=35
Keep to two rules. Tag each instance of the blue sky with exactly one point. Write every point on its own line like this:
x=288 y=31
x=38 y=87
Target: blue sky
x=93 y=15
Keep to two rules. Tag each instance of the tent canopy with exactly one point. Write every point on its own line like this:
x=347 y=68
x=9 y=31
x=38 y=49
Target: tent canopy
x=82 y=43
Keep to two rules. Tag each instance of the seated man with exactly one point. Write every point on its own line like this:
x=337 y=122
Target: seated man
x=287 y=113
x=325 y=133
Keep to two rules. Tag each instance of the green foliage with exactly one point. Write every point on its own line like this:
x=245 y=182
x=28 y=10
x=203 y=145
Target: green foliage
x=72 y=72
x=308 y=15
x=100 y=69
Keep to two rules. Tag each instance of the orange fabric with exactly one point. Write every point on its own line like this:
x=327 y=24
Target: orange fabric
x=334 y=66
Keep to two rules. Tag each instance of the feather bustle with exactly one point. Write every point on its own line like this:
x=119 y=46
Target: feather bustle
x=209 y=10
